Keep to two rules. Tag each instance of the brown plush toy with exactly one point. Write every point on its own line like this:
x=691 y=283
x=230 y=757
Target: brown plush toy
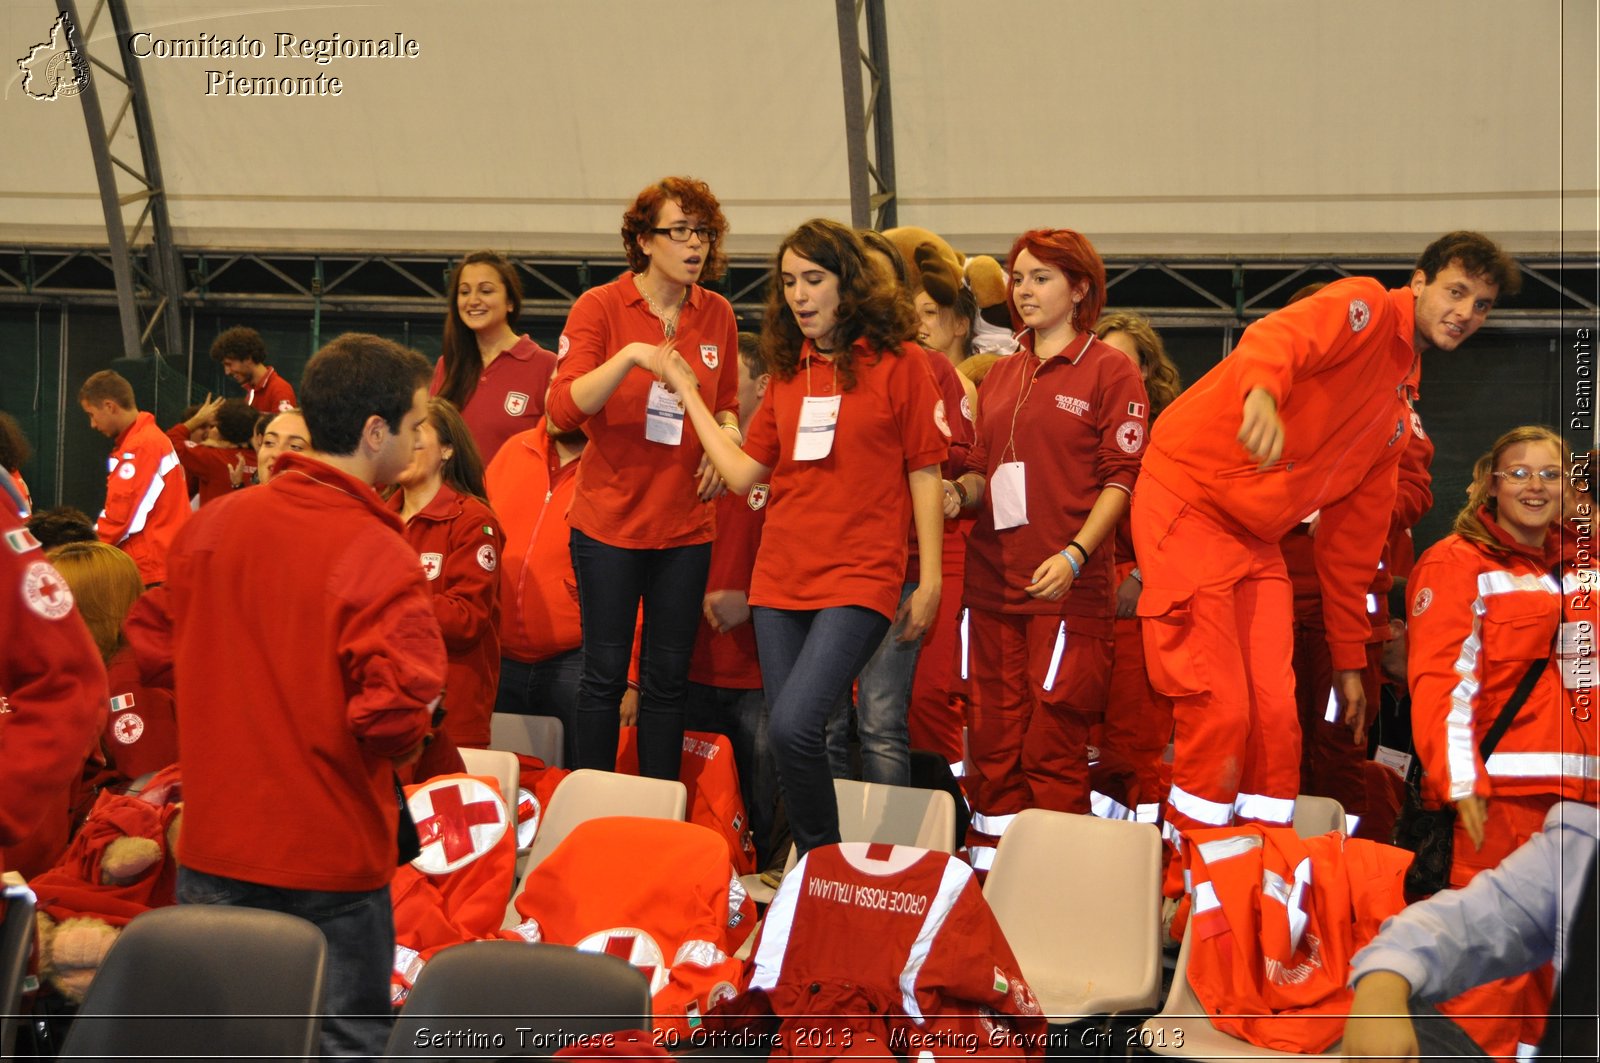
x=939 y=269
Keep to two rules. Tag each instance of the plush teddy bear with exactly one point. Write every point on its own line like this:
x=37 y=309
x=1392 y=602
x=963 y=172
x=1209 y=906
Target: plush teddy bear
x=937 y=268
x=121 y=863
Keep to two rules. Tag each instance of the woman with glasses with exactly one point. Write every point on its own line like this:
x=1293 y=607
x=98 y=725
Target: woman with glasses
x=495 y=376
x=1486 y=607
x=845 y=449
x=641 y=517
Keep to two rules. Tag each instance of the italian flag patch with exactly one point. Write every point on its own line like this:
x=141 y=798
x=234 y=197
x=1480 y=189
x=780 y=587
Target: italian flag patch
x=21 y=541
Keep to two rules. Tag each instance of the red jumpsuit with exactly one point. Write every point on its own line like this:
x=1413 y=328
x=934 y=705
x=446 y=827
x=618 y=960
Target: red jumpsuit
x=459 y=541
x=1216 y=603
x=1040 y=668
x=147 y=500
x=1479 y=618
x=52 y=690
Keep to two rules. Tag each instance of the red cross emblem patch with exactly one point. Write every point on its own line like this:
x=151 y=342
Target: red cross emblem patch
x=431 y=564
x=516 y=402
x=1130 y=437
x=757 y=498
x=1360 y=315
x=45 y=591
x=634 y=945
x=128 y=728
x=458 y=820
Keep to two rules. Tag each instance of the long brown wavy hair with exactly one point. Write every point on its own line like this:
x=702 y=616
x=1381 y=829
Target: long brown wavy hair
x=870 y=306
x=462 y=362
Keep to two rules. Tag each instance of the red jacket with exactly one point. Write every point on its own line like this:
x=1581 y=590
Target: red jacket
x=1276 y=919
x=1479 y=618
x=52 y=687
x=141 y=733
x=146 y=498
x=632 y=492
x=274 y=395
x=872 y=949
x=286 y=750
x=1077 y=422
x=727 y=659
x=655 y=892
x=709 y=775
x=1336 y=362
x=210 y=466
x=538 y=590
x=459 y=541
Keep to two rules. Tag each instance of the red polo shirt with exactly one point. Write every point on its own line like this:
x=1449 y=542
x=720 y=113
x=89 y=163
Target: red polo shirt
x=835 y=531
x=1080 y=421
x=634 y=493
x=272 y=395
x=509 y=397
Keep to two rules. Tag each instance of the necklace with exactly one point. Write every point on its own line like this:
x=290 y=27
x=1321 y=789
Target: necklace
x=669 y=325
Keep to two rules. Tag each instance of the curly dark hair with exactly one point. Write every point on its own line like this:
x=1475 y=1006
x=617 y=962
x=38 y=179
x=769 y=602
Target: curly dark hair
x=1475 y=253
x=871 y=307
x=459 y=351
x=694 y=197
x=241 y=343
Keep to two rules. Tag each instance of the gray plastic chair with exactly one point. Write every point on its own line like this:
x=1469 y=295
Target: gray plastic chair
x=16 y=942
x=550 y=993
x=208 y=982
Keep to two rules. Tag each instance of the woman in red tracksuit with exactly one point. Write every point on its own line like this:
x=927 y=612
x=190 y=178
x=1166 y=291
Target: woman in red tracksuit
x=1061 y=429
x=642 y=521
x=1486 y=605
x=458 y=537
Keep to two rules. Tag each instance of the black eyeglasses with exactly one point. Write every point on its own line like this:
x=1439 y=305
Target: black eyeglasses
x=1522 y=474
x=679 y=234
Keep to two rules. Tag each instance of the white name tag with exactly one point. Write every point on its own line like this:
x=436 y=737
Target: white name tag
x=663 y=416
x=819 y=417
x=1008 y=495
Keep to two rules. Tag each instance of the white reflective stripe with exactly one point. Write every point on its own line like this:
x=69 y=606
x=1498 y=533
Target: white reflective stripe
x=777 y=927
x=981 y=857
x=951 y=883
x=1108 y=807
x=1273 y=885
x=1055 y=658
x=1227 y=848
x=1297 y=907
x=1579 y=580
x=1526 y=1051
x=964 y=643
x=1149 y=812
x=1543 y=765
x=1171 y=835
x=529 y=931
x=158 y=483
x=1267 y=809
x=958 y=768
x=1502 y=582
x=700 y=953
x=1205 y=898
x=1460 y=750
x=1216 y=813
x=1351 y=822
x=1372 y=605
x=1331 y=713
x=995 y=825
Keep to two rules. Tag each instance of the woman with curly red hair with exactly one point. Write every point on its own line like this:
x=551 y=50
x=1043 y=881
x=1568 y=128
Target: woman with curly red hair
x=495 y=377
x=845 y=449
x=641 y=517
x=1061 y=429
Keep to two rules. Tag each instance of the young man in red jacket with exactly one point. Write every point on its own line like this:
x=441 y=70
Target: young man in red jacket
x=147 y=500
x=288 y=760
x=243 y=356
x=1309 y=412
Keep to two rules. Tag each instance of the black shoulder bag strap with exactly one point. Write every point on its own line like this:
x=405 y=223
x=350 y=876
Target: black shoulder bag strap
x=1502 y=722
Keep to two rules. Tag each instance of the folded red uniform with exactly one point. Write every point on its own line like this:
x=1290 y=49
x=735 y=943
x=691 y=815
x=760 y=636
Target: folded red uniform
x=456 y=888
x=1276 y=919
x=711 y=777
x=658 y=893
x=871 y=949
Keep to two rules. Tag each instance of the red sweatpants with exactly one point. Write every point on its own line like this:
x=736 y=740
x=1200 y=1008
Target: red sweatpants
x=1218 y=639
x=1138 y=722
x=935 y=718
x=1035 y=689
x=1501 y=1013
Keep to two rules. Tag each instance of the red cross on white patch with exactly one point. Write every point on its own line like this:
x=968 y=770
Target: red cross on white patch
x=634 y=945
x=458 y=820
x=45 y=591
x=128 y=728
x=1130 y=437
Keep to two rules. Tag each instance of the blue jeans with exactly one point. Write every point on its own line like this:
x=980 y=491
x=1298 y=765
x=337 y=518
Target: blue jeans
x=742 y=716
x=544 y=688
x=808 y=659
x=883 y=698
x=359 y=927
x=611 y=582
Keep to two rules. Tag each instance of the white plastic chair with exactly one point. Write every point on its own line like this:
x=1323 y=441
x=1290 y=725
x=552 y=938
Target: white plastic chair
x=1316 y=816
x=501 y=766
x=536 y=736
x=1079 y=899
x=590 y=794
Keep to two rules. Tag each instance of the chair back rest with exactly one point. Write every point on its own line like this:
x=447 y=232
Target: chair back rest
x=207 y=981
x=16 y=944
x=1316 y=816
x=552 y=993
x=536 y=736
x=898 y=815
x=500 y=765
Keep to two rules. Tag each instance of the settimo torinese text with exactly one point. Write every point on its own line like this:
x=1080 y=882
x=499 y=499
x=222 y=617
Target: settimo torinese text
x=318 y=50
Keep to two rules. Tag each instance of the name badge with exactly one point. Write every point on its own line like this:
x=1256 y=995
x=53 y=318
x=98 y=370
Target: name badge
x=663 y=416
x=819 y=417
x=1008 y=495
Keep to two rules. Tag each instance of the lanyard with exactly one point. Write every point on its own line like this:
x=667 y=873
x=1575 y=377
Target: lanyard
x=1024 y=392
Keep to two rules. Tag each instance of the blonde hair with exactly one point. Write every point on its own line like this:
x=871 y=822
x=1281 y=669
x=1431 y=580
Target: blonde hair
x=1161 y=381
x=1469 y=523
x=105 y=583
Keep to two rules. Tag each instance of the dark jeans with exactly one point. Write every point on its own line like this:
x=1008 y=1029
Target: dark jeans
x=883 y=699
x=360 y=931
x=611 y=582
x=808 y=659
x=1438 y=1036
x=544 y=688
x=742 y=716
